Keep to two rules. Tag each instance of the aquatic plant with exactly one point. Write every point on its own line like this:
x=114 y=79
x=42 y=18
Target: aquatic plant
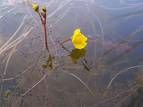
x=43 y=17
x=79 y=40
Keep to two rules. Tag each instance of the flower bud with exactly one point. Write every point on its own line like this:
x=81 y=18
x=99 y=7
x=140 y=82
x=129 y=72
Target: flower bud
x=35 y=6
x=44 y=9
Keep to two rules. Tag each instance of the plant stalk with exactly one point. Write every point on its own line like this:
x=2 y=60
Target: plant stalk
x=43 y=20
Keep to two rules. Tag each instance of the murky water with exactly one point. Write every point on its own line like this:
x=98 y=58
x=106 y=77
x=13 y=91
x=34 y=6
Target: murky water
x=107 y=73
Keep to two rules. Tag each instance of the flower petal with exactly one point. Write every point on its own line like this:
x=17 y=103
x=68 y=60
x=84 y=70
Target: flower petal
x=79 y=39
x=80 y=46
x=77 y=31
x=84 y=37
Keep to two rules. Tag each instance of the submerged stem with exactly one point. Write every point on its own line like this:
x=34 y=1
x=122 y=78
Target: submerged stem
x=82 y=82
x=37 y=83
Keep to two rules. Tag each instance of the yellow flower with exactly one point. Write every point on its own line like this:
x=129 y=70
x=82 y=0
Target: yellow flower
x=79 y=40
x=35 y=6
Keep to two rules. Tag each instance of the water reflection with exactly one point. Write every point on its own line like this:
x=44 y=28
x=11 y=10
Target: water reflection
x=77 y=54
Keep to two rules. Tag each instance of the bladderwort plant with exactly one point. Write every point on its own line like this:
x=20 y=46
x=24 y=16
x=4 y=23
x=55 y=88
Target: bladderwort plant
x=43 y=17
x=78 y=40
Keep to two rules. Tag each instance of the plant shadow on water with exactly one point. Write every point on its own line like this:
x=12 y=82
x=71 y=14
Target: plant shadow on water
x=107 y=73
